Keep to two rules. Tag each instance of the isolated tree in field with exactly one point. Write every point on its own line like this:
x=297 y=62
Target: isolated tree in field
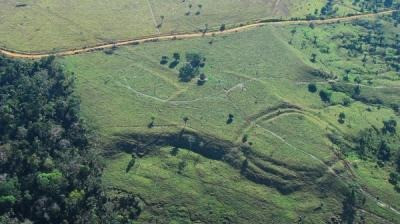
x=325 y=96
x=342 y=116
x=185 y=120
x=230 y=119
x=205 y=28
x=357 y=90
x=245 y=138
x=164 y=60
x=131 y=163
x=176 y=56
x=151 y=124
x=312 y=87
x=202 y=79
x=313 y=57
x=222 y=27
x=161 y=22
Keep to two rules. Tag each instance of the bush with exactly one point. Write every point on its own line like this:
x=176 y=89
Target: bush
x=222 y=27
x=312 y=87
x=325 y=96
x=164 y=60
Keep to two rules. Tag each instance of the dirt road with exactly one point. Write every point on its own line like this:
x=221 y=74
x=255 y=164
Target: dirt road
x=14 y=54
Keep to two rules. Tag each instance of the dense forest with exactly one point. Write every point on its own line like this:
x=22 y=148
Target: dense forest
x=49 y=172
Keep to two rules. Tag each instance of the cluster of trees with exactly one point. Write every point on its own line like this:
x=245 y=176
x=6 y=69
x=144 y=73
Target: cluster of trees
x=375 y=143
x=192 y=68
x=328 y=9
x=190 y=6
x=374 y=6
x=176 y=59
x=49 y=173
x=380 y=145
x=375 y=43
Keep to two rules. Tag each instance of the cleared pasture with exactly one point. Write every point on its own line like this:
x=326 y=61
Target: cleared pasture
x=252 y=75
x=49 y=26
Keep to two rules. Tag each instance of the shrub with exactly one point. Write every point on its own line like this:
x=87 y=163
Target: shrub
x=312 y=87
x=325 y=96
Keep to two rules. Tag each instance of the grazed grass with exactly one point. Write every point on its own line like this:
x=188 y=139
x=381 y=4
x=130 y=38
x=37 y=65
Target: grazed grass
x=251 y=75
x=207 y=191
x=55 y=25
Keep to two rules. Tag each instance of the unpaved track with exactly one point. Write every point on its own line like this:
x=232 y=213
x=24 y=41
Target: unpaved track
x=11 y=53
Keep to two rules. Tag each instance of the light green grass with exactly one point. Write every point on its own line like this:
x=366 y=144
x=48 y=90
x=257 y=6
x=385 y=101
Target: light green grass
x=207 y=191
x=251 y=75
x=56 y=25
x=132 y=85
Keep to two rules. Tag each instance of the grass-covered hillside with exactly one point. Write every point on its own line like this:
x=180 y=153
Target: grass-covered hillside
x=31 y=25
x=52 y=26
x=239 y=127
x=293 y=118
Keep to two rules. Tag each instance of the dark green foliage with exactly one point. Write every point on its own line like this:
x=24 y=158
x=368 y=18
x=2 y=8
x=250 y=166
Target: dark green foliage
x=398 y=163
x=187 y=72
x=328 y=9
x=175 y=62
x=373 y=143
x=130 y=164
x=49 y=171
x=349 y=207
x=394 y=178
x=164 y=60
x=176 y=56
x=384 y=151
x=388 y=3
x=230 y=119
x=342 y=116
x=151 y=124
x=245 y=138
x=389 y=126
x=313 y=58
x=312 y=87
x=222 y=27
x=202 y=79
x=181 y=166
x=194 y=62
x=325 y=96
x=174 y=151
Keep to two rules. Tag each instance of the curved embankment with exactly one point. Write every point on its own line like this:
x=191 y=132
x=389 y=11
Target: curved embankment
x=286 y=178
x=154 y=38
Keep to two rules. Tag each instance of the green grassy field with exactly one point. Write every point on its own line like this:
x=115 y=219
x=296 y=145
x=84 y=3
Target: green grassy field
x=37 y=26
x=206 y=191
x=260 y=79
